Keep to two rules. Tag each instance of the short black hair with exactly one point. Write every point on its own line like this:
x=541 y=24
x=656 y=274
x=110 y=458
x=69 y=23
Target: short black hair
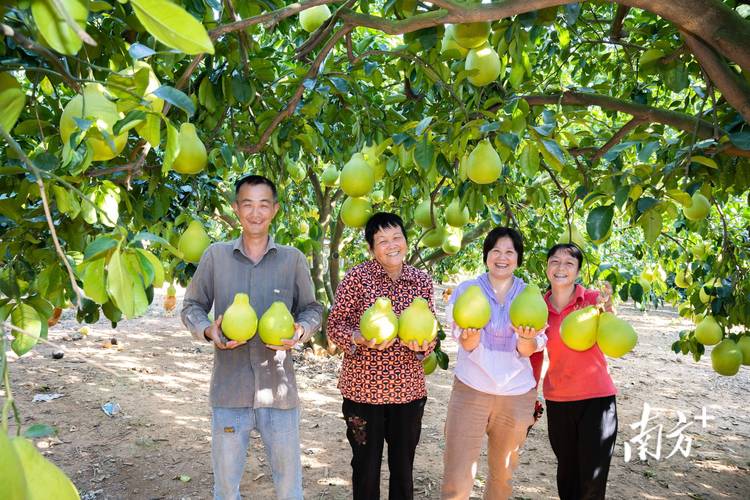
x=255 y=180
x=503 y=232
x=382 y=220
x=571 y=248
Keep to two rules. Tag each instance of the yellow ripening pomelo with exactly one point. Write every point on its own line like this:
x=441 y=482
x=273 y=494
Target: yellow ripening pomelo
x=192 y=158
x=379 y=322
x=698 y=209
x=472 y=309
x=471 y=35
x=452 y=240
x=450 y=47
x=485 y=63
x=94 y=105
x=240 y=321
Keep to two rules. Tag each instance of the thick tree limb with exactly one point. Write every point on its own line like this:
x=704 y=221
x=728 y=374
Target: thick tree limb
x=616 y=138
x=675 y=119
x=616 y=31
x=311 y=75
x=51 y=58
x=734 y=89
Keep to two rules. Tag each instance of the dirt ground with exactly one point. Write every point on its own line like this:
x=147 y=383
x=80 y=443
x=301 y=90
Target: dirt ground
x=158 y=444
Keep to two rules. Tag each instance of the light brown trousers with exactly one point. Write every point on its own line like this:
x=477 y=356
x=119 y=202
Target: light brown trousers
x=473 y=414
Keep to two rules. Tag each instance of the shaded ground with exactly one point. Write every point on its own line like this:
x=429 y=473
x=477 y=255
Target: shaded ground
x=158 y=445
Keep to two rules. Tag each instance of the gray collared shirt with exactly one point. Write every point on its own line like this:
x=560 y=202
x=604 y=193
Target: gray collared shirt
x=251 y=375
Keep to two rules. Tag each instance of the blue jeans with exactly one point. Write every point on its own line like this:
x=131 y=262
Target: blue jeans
x=279 y=429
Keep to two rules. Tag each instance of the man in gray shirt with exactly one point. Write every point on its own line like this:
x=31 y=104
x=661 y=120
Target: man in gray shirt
x=253 y=384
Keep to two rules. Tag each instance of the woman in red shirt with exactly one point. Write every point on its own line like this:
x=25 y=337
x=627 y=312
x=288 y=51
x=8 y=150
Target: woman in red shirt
x=579 y=393
x=383 y=385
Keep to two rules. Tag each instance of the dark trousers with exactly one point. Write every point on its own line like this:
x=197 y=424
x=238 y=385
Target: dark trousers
x=367 y=427
x=582 y=435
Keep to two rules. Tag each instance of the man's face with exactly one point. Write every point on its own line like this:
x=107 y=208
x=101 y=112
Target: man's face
x=255 y=209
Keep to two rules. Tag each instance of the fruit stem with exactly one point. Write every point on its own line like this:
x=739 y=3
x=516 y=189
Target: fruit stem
x=8 y=393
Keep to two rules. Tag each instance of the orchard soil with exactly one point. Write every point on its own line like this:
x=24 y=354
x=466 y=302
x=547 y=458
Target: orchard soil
x=158 y=444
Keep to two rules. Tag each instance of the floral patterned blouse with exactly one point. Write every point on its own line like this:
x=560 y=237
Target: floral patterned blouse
x=394 y=375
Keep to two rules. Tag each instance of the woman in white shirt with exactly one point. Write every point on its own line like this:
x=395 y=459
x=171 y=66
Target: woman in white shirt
x=494 y=390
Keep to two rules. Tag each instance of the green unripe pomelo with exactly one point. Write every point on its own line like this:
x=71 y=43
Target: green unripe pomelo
x=615 y=336
x=357 y=178
x=579 y=328
x=276 y=324
x=726 y=358
x=483 y=165
x=193 y=242
x=529 y=309
x=355 y=212
x=417 y=322
x=472 y=309
x=708 y=331
x=379 y=322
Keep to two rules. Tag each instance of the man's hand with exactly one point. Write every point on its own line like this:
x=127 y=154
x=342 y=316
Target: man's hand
x=286 y=344
x=414 y=345
x=358 y=339
x=469 y=338
x=215 y=334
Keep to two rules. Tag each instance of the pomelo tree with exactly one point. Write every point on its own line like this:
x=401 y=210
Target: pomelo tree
x=624 y=124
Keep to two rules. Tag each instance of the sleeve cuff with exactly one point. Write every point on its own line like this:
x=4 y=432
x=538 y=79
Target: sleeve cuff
x=199 y=329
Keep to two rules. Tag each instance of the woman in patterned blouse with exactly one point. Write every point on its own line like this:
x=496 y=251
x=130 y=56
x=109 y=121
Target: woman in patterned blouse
x=494 y=390
x=383 y=385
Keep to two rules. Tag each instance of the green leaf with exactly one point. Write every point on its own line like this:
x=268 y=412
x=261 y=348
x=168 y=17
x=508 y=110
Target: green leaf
x=131 y=120
x=529 y=159
x=422 y=125
x=741 y=140
x=424 y=153
x=99 y=247
x=704 y=161
x=158 y=269
x=552 y=154
x=140 y=51
x=599 y=222
x=175 y=98
x=173 y=26
x=52 y=26
x=94 y=281
x=680 y=196
x=124 y=286
x=26 y=318
x=12 y=102
x=651 y=223
x=39 y=431
x=145 y=235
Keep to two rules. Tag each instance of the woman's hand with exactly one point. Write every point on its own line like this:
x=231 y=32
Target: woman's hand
x=358 y=339
x=605 y=296
x=469 y=338
x=526 y=345
x=416 y=347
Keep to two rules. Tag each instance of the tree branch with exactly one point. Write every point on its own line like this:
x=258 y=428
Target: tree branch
x=615 y=139
x=289 y=109
x=272 y=17
x=675 y=119
x=42 y=51
x=616 y=31
x=734 y=89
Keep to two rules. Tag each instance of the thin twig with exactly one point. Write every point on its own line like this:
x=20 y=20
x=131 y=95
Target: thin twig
x=80 y=32
x=615 y=139
x=292 y=104
x=51 y=58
